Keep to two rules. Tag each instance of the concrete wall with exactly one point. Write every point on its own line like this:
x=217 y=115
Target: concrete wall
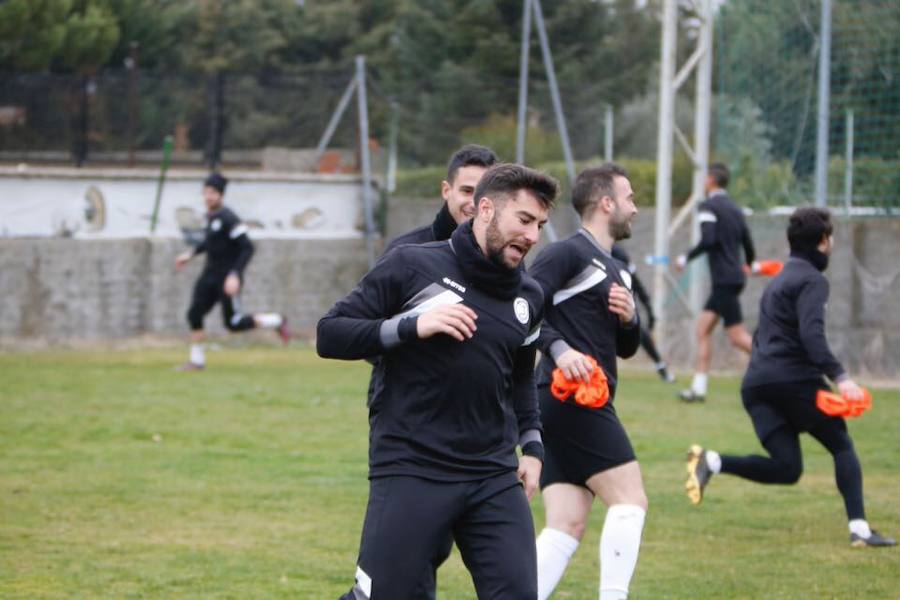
x=63 y=288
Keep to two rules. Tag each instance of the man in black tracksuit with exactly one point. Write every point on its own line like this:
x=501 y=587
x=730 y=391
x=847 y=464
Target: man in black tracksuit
x=637 y=286
x=590 y=311
x=464 y=171
x=788 y=366
x=723 y=233
x=455 y=324
x=228 y=250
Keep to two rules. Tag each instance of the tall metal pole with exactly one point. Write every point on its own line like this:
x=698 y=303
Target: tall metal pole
x=522 y=122
x=664 y=162
x=824 y=97
x=608 y=133
x=391 y=178
x=363 y=110
x=702 y=117
x=848 y=165
x=554 y=91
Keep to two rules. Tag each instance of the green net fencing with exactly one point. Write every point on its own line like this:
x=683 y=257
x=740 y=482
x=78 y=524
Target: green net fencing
x=766 y=95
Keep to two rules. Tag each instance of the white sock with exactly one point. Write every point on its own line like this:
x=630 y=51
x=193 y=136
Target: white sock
x=860 y=527
x=268 y=320
x=660 y=366
x=699 y=384
x=554 y=549
x=714 y=461
x=197 y=355
x=619 y=546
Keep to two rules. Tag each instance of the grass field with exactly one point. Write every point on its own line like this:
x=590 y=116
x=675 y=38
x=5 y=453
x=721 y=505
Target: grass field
x=120 y=478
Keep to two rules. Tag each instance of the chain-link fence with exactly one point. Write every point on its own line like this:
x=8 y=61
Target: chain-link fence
x=767 y=57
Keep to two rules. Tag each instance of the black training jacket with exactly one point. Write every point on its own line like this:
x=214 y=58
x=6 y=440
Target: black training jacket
x=227 y=247
x=723 y=231
x=789 y=343
x=446 y=410
x=575 y=275
x=637 y=286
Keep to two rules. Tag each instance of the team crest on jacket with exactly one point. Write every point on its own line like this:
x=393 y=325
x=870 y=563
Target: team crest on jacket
x=216 y=225
x=520 y=306
x=626 y=278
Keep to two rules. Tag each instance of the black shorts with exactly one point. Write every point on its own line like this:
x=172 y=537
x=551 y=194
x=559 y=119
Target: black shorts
x=580 y=442
x=409 y=523
x=209 y=290
x=724 y=300
x=787 y=404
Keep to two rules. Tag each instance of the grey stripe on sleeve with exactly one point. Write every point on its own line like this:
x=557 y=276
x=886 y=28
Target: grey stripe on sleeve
x=389 y=334
x=557 y=348
x=530 y=435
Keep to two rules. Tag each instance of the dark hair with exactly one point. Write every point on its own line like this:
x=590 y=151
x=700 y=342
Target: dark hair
x=470 y=155
x=594 y=183
x=216 y=181
x=503 y=180
x=720 y=174
x=807 y=227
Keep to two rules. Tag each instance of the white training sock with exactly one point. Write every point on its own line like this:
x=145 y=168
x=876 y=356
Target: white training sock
x=714 y=461
x=860 y=527
x=554 y=549
x=699 y=384
x=619 y=546
x=198 y=357
x=268 y=320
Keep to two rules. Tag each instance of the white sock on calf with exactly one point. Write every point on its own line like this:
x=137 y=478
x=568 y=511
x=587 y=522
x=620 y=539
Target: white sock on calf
x=619 y=546
x=860 y=527
x=554 y=549
x=198 y=357
x=698 y=385
x=268 y=320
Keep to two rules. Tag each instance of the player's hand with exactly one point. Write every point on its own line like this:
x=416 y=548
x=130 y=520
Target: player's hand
x=455 y=320
x=850 y=390
x=529 y=474
x=680 y=263
x=621 y=302
x=232 y=285
x=182 y=259
x=574 y=365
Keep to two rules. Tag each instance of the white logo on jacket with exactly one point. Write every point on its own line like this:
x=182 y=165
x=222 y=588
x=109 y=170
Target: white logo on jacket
x=520 y=306
x=216 y=225
x=626 y=278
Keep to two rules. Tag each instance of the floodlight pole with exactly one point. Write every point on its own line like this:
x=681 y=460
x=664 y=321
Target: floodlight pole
x=522 y=122
x=824 y=96
x=701 y=60
x=608 y=133
x=664 y=162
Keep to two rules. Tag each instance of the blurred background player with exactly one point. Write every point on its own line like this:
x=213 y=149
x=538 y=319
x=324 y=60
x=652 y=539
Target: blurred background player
x=228 y=250
x=464 y=171
x=638 y=289
x=589 y=311
x=456 y=325
x=789 y=362
x=723 y=231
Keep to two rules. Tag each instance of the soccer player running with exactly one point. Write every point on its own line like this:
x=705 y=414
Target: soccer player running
x=723 y=232
x=228 y=250
x=789 y=362
x=456 y=326
x=464 y=171
x=647 y=343
x=589 y=312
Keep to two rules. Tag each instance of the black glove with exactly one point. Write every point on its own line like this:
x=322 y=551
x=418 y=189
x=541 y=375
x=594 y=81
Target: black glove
x=651 y=320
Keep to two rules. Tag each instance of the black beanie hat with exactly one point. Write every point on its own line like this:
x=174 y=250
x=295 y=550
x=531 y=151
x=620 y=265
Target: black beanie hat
x=216 y=181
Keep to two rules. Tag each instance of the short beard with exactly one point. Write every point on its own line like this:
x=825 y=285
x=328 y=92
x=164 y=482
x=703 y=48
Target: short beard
x=495 y=244
x=619 y=228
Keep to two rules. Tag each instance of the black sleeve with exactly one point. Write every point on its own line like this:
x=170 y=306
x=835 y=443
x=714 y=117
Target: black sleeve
x=201 y=247
x=811 y=320
x=525 y=402
x=628 y=337
x=551 y=269
x=351 y=329
x=707 y=232
x=749 y=250
x=245 y=253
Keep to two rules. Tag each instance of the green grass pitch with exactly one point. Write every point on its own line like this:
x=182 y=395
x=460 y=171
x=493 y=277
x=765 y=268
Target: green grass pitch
x=120 y=478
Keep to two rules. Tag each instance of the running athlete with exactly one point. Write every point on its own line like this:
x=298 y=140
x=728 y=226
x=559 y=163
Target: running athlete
x=637 y=286
x=723 y=232
x=788 y=366
x=589 y=311
x=464 y=171
x=455 y=324
x=228 y=250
